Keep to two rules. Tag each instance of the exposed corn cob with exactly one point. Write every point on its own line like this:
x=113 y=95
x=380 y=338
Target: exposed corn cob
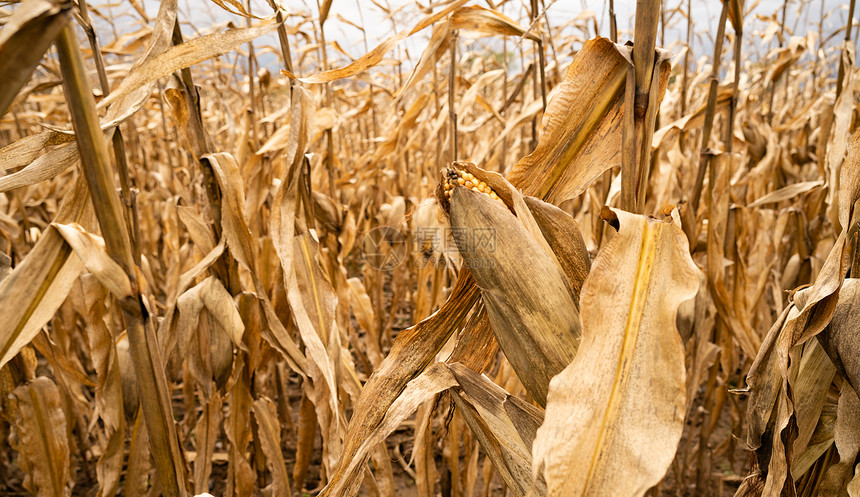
x=455 y=177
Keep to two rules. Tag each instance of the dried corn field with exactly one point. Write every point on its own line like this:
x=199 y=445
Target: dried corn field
x=501 y=253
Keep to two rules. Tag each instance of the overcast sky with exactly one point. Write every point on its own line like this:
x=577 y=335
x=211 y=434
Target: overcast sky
x=199 y=14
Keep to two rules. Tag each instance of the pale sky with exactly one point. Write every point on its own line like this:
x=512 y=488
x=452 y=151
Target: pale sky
x=202 y=14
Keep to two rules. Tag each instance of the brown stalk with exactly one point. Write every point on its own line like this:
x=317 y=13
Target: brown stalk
x=284 y=41
x=730 y=124
x=841 y=74
x=329 y=135
x=201 y=144
x=628 y=149
x=686 y=71
x=606 y=179
x=252 y=62
x=647 y=21
x=815 y=61
x=551 y=44
x=517 y=89
x=504 y=143
x=715 y=396
x=169 y=138
x=613 y=27
x=710 y=110
x=452 y=88
x=781 y=36
x=370 y=86
x=148 y=366
x=541 y=60
x=129 y=198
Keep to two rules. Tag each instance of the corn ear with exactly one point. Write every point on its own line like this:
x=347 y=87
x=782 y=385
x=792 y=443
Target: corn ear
x=531 y=305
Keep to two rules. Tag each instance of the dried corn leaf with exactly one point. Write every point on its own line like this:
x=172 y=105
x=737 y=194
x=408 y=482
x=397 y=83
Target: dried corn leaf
x=24 y=151
x=412 y=351
x=506 y=427
x=477 y=347
x=763 y=383
x=487 y=21
x=25 y=37
x=787 y=193
x=581 y=131
x=433 y=380
x=139 y=465
x=211 y=295
x=562 y=234
x=631 y=361
x=835 y=157
x=376 y=55
x=239 y=8
x=240 y=475
x=438 y=45
x=31 y=294
x=44 y=442
x=840 y=339
x=814 y=375
x=809 y=315
x=185 y=281
x=270 y=439
x=43 y=168
x=241 y=244
x=312 y=302
x=206 y=433
x=128 y=97
x=694 y=119
x=773 y=374
x=109 y=396
x=821 y=440
x=366 y=317
x=90 y=249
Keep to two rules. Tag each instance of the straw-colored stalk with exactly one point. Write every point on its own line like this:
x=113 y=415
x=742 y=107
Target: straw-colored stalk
x=149 y=368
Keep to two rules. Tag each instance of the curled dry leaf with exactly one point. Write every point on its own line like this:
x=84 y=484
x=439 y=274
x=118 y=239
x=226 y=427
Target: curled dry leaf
x=132 y=92
x=22 y=152
x=109 y=387
x=206 y=432
x=43 y=168
x=631 y=361
x=212 y=295
x=773 y=376
x=32 y=293
x=581 y=131
x=26 y=35
x=224 y=326
x=505 y=425
x=840 y=338
x=270 y=439
x=44 y=442
x=376 y=55
x=90 y=249
x=241 y=244
x=412 y=352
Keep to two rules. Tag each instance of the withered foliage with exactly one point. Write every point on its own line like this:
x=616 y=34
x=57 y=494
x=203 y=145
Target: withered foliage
x=574 y=267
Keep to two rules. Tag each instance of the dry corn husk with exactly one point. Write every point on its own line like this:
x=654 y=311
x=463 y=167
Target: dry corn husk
x=530 y=303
